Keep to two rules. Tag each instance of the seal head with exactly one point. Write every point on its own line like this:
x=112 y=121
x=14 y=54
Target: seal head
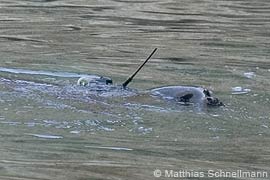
x=186 y=95
x=213 y=101
x=210 y=100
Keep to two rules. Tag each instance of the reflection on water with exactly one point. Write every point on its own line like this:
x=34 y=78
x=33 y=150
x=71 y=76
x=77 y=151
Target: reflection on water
x=46 y=136
x=50 y=128
x=47 y=73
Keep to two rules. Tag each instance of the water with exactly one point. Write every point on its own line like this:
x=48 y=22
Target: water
x=52 y=129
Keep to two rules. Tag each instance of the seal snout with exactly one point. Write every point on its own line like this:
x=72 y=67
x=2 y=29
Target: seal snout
x=212 y=101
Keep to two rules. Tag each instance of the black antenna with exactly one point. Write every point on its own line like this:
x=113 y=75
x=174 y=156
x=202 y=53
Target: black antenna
x=134 y=74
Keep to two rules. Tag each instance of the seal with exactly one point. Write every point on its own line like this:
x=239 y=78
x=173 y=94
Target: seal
x=187 y=95
x=182 y=94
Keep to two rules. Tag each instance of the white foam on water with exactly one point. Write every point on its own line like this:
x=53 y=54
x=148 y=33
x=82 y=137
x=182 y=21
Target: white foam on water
x=250 y=75
x=240 y=90
x=75 y=132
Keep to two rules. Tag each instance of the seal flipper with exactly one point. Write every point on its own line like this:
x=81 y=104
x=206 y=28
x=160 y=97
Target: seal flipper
x=185 y=98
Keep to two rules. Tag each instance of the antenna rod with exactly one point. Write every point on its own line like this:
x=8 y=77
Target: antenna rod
x=134 y=74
